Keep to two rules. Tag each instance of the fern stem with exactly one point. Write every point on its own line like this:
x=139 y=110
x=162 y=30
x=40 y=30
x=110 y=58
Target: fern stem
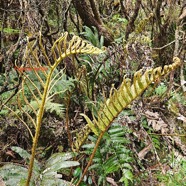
x=38 y=127
x=91 y=157
x=30 y=132
x=67 y=120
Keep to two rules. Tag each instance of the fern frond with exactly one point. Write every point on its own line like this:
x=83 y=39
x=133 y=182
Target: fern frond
x=39 y=85
x=113 y=153
x=119 y=100
x=50 y=107
x=62 y=48
x=126 y=93
x=80 y=138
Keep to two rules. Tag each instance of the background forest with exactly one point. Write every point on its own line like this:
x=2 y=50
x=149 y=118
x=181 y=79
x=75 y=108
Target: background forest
x=92 y=92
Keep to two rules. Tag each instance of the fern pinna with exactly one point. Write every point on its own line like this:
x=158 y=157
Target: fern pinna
x=120 y=99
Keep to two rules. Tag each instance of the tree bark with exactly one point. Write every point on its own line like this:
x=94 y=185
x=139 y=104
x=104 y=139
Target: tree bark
x=89 y=19
x=131 y=27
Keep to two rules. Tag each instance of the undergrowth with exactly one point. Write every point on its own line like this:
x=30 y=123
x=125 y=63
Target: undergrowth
x=113 y=155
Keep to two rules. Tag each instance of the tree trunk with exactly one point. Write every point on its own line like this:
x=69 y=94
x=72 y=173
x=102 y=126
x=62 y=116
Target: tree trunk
x=85 y=11
x=130 y=26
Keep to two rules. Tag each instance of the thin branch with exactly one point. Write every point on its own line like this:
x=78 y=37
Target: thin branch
x=179 y=135
x=160 y=48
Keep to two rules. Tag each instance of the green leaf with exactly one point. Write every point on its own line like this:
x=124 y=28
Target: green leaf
x=10 y=30
x=77 y=172
x=50 y=107
x=58 y=161
x=95 y=166
x=60 y=165
x=13 y=174
x=111 y=169
x=55 y=182
x=127 y=165
x=101 y=41
x=89 y=146
x=23 y=153
x=115 y=130
x=89 y=180
x=26 y=156
x=127 y=174
x=57 y=157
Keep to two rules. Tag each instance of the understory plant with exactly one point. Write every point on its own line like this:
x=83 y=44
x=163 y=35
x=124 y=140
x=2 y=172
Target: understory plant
x=41 y=90
x=117 y=101
x=92 y=35
x=112 y=155
x=118 y=157
x=47 y=174
x=176 y=175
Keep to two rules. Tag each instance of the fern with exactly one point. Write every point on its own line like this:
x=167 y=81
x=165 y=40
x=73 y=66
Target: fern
x=125 y=95
x=112 y=155
x=121 y=98
x=176 y=175
x=93 y=36
x=50 y=107
x=59 y=88
x=81 y=137
x=41 y=88
x=47 y=174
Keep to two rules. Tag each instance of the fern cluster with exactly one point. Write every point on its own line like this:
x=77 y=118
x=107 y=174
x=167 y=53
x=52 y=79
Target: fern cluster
x=92 y=35
x=60 y=85
x=36 y=93
x=113 y=155
x=127 y=92
x=109 y=152
x=120 y=99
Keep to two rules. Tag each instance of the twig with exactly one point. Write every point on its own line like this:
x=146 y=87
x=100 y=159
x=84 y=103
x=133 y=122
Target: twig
x=160 y=48
x=179 y=135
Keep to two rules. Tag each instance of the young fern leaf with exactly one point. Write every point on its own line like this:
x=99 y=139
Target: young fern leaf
x=120 y=99
x=126 y=93
x=80 y=138
x=40 y=89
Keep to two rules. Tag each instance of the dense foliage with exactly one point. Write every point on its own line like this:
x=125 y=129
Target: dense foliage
x=92 y=92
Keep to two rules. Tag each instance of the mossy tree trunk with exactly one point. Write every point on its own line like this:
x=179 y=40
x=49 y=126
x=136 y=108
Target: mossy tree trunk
x=90 y=17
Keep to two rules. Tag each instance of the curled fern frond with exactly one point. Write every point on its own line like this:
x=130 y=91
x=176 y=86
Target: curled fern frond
x=121 y=98
x=80 y=138
x=62 y=48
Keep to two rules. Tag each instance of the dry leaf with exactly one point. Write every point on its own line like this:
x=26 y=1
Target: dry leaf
x=111 y=180
x=10 y=153
x=144 y=151
x=154 y=120
x=182 y=118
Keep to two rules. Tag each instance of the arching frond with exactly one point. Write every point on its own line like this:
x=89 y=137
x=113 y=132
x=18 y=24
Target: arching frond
x=40 y=81
x=126 y=93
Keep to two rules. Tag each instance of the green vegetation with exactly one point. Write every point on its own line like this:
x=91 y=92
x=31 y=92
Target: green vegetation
x=93 y=97
x=48 y=174
x=10 y=30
